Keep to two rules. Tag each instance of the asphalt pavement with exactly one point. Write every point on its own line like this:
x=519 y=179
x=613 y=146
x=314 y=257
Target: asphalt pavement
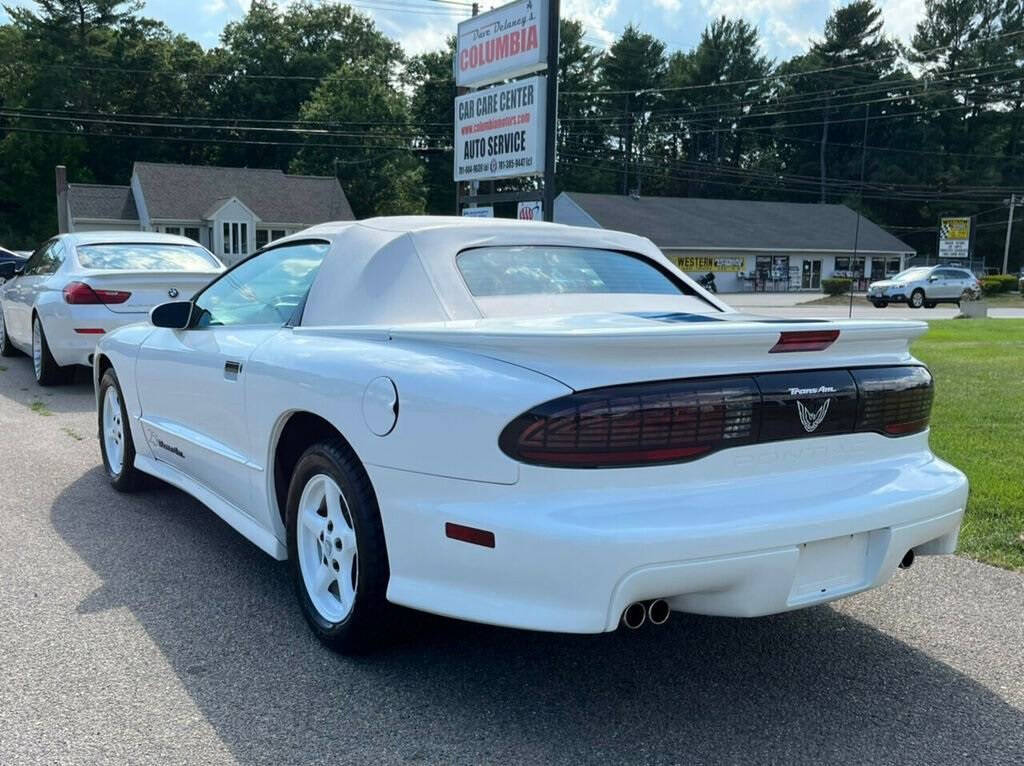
x=142 y=629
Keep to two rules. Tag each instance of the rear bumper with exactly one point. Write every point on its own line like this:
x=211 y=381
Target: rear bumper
x=574 y=548
x=70 y=346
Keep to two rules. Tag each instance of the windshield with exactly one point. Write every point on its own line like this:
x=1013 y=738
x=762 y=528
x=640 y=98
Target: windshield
x=909 y=275
x=146 y=257
x=539 y=270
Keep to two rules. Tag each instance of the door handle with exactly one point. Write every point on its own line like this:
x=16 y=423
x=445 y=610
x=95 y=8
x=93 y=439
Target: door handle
x=232 y=369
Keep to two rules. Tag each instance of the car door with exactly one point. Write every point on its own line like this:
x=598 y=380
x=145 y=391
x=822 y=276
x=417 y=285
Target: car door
x=19 y=295
x=191 y=382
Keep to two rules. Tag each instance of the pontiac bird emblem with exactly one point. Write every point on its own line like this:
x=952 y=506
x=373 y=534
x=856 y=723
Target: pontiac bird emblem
x=809 y=420
x=172 y=293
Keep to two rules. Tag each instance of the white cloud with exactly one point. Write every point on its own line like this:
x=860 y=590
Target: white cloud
x=668 y=5
x=596 y=17
x=901 y=17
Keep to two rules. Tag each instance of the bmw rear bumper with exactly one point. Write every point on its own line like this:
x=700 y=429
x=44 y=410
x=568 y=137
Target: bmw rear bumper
x=727 y=535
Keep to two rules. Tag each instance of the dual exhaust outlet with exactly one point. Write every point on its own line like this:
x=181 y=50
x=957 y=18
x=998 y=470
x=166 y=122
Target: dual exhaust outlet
x=636 y=614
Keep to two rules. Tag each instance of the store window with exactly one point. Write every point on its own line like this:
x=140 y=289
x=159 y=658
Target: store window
x=172 y=230
x=192 y=232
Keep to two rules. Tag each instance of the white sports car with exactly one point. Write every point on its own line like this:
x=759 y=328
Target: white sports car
x=529 y=425
x=77 y=287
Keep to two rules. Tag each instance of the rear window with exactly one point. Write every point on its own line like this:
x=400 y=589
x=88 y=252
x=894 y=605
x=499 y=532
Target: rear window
x=146 y=257
x=536 y=270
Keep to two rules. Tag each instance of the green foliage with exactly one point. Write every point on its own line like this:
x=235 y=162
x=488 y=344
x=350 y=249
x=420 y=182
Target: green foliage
x=836 y=286
x=998 y=283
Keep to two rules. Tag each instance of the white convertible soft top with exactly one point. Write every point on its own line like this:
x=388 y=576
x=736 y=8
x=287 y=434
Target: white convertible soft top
x=402 y=270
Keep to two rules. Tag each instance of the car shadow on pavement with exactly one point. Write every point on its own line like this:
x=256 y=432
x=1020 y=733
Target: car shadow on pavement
x=813 y=686
x=18 y=384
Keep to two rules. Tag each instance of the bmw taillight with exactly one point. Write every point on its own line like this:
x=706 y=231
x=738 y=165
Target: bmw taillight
x=79 y=293
x=681 y=420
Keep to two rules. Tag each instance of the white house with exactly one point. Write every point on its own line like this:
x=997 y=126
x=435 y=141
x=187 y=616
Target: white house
x=232 y=211
x=749 y=245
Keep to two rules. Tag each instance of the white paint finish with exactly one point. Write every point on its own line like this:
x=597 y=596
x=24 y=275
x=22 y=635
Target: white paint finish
x=380 y=405
x=721 y=535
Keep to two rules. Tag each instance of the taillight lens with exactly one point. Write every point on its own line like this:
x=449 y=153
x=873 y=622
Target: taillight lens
x=79 y=293
x=894 y=401
x=641 y=424
x=681 y=420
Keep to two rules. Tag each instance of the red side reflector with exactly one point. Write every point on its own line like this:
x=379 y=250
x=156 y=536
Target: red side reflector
x=89 y=331
x=804 y=340
x=469 y=534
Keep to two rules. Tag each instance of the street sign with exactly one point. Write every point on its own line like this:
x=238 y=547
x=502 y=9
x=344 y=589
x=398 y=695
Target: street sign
x=501 y=44
x=955 y=238
x=483 y=211
x=499 y=131
x=530 y=211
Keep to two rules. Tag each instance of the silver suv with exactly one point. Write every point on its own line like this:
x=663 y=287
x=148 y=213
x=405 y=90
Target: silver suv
x=925 y=286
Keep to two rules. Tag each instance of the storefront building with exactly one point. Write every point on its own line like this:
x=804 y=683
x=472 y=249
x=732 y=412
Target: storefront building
x=748 y=246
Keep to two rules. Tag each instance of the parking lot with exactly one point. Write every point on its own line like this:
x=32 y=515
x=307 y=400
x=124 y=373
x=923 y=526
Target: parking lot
x=143 y=630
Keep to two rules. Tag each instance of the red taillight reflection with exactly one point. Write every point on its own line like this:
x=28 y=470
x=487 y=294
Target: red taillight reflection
x=79 y=294
x=804 y=340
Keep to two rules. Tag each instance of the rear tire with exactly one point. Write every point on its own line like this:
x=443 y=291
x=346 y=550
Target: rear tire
x=336 y=549
x=880 y=304
x=916 y=300
x=6 y=347
x=930 y=304
x=116 y=444
x=47 y=371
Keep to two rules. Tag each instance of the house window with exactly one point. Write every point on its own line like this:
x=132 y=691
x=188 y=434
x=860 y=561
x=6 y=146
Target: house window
x=236 y=239
x=172 y=230
x=892 y=266
x=277 y=234
x=192 y=232
x=261 y=238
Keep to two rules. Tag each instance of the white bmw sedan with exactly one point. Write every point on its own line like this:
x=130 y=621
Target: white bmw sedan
x=78 y=287
x=528 y=425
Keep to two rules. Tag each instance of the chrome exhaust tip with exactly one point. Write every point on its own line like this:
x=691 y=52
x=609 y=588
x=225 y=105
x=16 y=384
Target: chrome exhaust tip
x=634 y=615
x=658 y=611
x=908 y=560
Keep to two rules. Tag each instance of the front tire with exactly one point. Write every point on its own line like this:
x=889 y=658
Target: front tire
x=916 y=299
x=6 y=347
x=880 y=304
x=116 y=444
x=336 y=549
x=47 y=371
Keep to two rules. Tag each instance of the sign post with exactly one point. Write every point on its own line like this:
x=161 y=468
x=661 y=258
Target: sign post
x=552 y=111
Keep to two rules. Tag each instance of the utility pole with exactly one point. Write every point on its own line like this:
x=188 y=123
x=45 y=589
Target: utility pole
x=551 y=113
x=1013 y=202
x=860 y=203
x=824 y=143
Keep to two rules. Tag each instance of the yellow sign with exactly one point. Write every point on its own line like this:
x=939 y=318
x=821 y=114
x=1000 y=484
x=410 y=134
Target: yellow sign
x=703 y=264
x=956 y=228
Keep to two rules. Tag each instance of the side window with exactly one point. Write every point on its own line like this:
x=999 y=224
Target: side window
x=46 y=260
x=266 y=289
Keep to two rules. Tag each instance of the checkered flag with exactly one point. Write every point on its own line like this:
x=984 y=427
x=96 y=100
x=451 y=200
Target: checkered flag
x=944 y=230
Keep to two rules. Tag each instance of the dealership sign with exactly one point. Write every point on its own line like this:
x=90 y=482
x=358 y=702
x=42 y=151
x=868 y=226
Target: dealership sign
x=483 y=211
x=955 y=238
x=507 y=42
x=499 y=132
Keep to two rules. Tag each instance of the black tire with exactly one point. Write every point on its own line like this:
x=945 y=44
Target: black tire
x=880 y=304
x=366 y=626
x=930 y=304
x=6 y=347
x=916 y=299
x=47 y=372
x=128 y=478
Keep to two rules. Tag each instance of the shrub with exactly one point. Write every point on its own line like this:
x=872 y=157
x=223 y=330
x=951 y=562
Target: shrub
x=998 y=283
x=836 y=286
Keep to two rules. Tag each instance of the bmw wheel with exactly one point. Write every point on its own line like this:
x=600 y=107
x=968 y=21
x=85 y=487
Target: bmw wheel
x=116 y=445
x=336 y=548
x=6 y=347
x=916 y=299
x=48 y=372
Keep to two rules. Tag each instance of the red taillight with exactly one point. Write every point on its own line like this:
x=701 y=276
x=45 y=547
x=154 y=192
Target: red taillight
x=79 y=293
x=642 y=424
x=894 y=401
x=804 y=340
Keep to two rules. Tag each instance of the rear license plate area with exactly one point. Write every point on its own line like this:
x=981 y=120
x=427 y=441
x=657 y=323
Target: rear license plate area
x=830 y=568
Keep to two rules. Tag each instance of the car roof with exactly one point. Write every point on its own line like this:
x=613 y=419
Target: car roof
x=403 y=269
x=77 y=239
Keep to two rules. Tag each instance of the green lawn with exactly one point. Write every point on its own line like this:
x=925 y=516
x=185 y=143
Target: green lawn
x=978 y=426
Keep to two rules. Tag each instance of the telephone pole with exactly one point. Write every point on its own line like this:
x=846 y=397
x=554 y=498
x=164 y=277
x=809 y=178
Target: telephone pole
x=1012 y=202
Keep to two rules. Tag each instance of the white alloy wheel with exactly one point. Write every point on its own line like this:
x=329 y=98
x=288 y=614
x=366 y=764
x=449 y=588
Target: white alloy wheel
x=37 y=348
x=327 y=553
x=113 y=430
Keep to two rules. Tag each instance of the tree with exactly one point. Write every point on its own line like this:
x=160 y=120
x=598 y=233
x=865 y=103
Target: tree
x=377 y=169
x=431 y=79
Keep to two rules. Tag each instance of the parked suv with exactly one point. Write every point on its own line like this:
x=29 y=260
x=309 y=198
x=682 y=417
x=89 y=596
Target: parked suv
x=925 y=286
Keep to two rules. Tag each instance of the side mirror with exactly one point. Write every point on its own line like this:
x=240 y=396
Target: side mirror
x=8 y=270
x=174 y=316
x=933 y=279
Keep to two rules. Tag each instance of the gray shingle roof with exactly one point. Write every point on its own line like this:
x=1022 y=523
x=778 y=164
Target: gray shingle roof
x=188 y=192
x=114 y=203
x=737 y=224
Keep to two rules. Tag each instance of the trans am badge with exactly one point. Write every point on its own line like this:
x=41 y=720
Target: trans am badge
x=811 y=420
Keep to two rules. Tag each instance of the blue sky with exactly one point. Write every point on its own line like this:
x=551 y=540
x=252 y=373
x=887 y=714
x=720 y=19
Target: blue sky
x=785 y=25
